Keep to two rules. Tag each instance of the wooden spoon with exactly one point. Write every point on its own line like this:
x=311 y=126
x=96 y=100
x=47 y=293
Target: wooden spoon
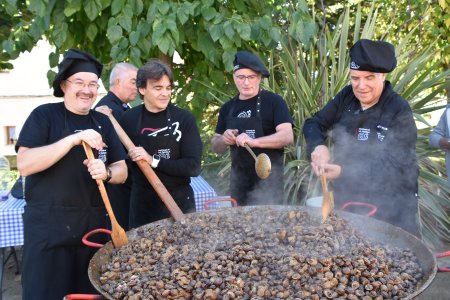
x=263 y=165
x=327 y=198
x=159 y=187
x=118 y=235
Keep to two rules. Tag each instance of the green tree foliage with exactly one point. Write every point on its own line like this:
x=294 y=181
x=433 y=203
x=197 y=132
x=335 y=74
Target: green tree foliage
x=304 y=42
x=205 y=34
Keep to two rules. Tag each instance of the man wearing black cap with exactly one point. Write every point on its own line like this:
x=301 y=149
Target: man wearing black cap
x=63 y=200
x=373 y=134
x=261 y=120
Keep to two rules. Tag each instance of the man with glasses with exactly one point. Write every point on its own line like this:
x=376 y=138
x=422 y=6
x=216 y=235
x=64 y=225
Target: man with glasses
x=261 y=120
x=63 y=200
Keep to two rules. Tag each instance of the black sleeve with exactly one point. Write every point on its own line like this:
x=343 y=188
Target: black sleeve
x=191 y=151
x=35 y=131
x=315 y=128
x=281 y=111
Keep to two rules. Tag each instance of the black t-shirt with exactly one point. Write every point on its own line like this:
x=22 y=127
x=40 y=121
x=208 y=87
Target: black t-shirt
x=274 y=111
x=48 y=124
x=184 y=130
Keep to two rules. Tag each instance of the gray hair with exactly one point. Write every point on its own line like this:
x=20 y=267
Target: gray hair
x=119 y=70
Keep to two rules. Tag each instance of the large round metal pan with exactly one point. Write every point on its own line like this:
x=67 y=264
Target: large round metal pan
x=374 y=230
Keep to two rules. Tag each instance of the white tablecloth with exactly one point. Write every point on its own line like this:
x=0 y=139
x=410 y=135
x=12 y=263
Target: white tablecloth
x=11 y=210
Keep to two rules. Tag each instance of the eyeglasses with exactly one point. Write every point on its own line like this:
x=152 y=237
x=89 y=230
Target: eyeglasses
x=80 y=84
x=249 y=77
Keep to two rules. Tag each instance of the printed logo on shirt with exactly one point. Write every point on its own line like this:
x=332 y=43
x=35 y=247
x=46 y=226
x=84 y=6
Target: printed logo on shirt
x=363 y=134
x=380 y=134
x=164 y=153
x=165 y=131
x=251 y=133
x=102 y=155
x=245 y=114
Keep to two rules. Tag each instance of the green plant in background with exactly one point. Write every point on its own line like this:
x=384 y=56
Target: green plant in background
x=315 y=75
x=308 y=76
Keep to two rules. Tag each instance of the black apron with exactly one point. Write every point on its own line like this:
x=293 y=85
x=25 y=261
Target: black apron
x=245 y=186
x=60 y=209
x=366 y=132
x=145 y=204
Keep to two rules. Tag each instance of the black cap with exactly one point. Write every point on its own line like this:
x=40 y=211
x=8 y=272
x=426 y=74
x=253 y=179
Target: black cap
x=75 y=61
x=247 y=60
x=373 y=56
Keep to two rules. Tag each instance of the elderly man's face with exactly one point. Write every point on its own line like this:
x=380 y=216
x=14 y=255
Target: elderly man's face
x=247 y=82
x=80 y=92
x=125 y=86
x=367 y=86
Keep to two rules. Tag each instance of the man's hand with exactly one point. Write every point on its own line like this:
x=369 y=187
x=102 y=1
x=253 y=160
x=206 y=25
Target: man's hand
x=96 y=168
x=229 y=136
x=104 y=109
x=331 y=171
x=91 y=137
x=319 y=157
x=139 y=153
x=243 y=139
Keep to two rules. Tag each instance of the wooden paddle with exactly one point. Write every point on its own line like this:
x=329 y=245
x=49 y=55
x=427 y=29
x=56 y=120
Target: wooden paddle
x=327 y=198
x=159 y=187
x=118 y=235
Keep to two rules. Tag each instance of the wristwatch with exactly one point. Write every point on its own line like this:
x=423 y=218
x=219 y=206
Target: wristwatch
x=108 y=174
x=155 y=161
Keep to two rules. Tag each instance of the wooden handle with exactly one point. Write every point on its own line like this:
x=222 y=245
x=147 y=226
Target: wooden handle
x=151 y=176
x=118 y=234
x=101 y=185
x=250 y=151
x=327 y=197
x=323 y=181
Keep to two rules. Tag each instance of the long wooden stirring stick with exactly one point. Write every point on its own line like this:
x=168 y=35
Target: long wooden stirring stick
x=118 y=235
x=151 y=176
x=328 y=200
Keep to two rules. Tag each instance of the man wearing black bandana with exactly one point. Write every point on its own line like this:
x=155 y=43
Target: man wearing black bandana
x=261 y=120
x=63 y=200
x=373 y=134
x=167 y=138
